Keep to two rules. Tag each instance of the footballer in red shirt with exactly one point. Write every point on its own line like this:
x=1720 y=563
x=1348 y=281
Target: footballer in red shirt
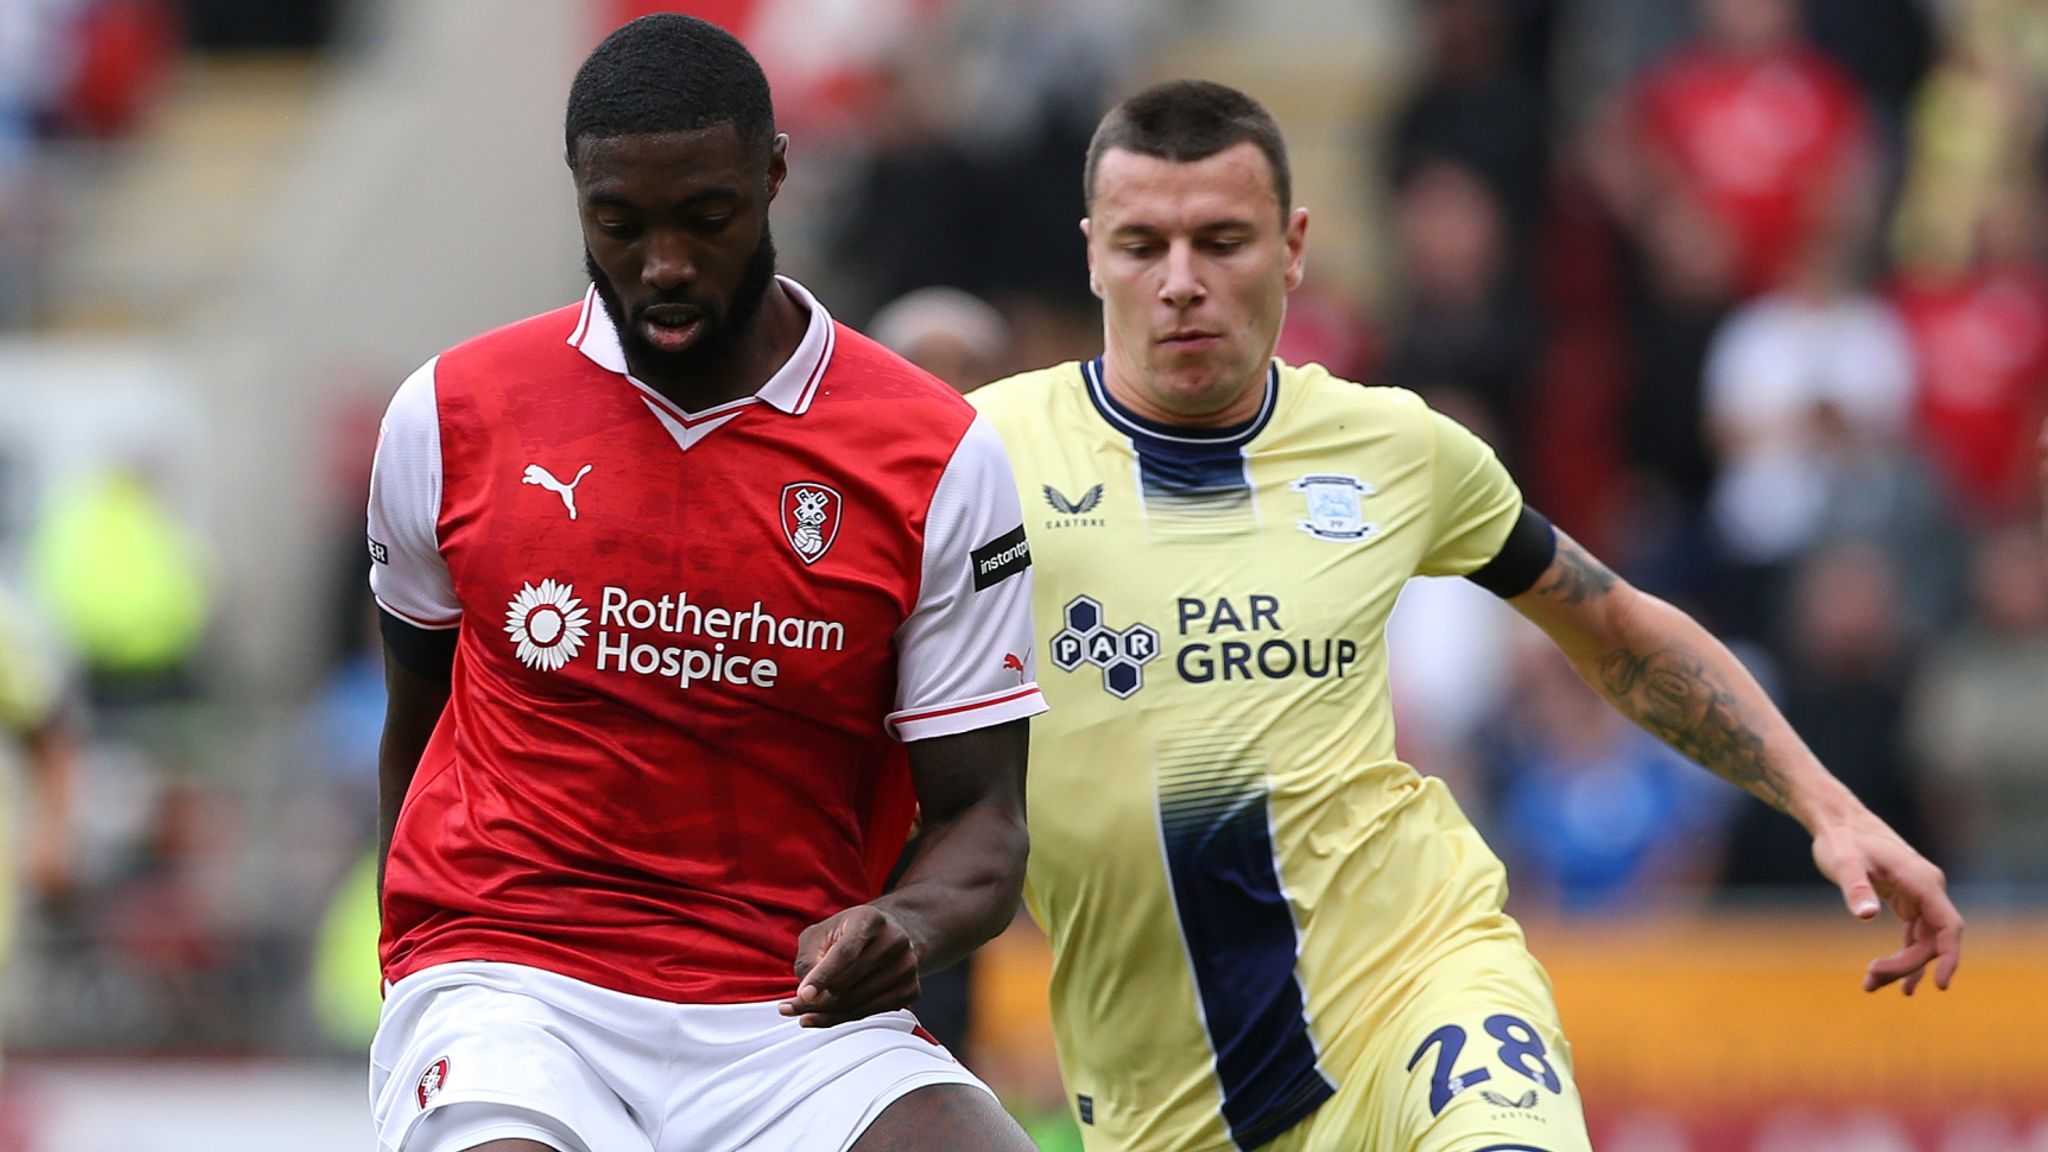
x=692 y=600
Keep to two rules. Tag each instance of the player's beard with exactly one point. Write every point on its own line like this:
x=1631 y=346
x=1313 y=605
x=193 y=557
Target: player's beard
x=725 y=322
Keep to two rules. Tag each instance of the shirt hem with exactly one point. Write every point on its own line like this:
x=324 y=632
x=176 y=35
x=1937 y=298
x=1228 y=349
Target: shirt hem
x=436 y=626
x=967 y=715
x=742 y=990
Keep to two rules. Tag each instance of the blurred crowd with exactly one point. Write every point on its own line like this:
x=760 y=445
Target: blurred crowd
x=1751 y=294
x=1764 y=321
x=134 y=915
x=70 y=70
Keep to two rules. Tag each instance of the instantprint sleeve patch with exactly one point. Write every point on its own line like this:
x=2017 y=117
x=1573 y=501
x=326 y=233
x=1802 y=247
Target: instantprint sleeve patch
x=1001 y=558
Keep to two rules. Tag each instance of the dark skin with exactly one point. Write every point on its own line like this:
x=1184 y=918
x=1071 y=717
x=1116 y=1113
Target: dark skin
x=672 y=222
x=960 y=891
x=412 y=706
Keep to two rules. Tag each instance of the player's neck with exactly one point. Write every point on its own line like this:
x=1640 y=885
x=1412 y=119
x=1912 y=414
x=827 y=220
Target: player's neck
x=1121 y=381
x=760 y=352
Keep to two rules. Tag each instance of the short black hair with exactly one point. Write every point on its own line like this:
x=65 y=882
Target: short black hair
x=1188 y=120
x=669 y=73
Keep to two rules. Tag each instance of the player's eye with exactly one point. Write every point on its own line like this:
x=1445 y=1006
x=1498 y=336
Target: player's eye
x=618 y=229
x=1225 y=246
x=712 y=223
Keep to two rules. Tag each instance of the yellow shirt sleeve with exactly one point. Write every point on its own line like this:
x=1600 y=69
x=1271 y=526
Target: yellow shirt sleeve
x=1474 y=499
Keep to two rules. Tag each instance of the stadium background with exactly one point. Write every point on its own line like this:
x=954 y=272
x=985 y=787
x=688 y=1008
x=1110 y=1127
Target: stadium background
x=1762 y=317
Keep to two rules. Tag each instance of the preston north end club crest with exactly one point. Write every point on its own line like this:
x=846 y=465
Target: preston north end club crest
x=1335 y=507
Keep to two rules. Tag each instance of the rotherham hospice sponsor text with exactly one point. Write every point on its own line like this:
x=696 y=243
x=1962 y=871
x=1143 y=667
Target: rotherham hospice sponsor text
x=675 y=615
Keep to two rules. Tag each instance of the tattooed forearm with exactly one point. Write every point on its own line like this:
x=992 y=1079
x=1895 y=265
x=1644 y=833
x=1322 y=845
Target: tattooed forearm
x=1672 y=695
x=1662 y=670
x=1577 y=577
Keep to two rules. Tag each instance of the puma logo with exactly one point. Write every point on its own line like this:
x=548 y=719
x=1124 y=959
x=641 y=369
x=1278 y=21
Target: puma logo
x=535 y=474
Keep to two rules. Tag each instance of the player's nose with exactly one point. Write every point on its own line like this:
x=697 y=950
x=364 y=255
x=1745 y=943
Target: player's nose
x=1181 y=287
x=669 y=263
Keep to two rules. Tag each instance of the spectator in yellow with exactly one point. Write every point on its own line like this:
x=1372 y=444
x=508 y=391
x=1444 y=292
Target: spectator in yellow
x=125 y=582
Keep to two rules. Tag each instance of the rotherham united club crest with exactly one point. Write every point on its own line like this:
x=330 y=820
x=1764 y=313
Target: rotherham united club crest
x=810 y=518
x=432 y=1081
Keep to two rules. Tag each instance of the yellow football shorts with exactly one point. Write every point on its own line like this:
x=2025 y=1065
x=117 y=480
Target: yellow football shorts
x=1469 y=1058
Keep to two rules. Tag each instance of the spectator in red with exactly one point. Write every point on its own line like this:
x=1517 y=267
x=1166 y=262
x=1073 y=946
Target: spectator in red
x=1758 y=129
x=1980 y=339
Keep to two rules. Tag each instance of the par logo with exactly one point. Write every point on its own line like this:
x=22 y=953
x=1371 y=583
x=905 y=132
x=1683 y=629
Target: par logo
x=547 y=624
x=1089 y=639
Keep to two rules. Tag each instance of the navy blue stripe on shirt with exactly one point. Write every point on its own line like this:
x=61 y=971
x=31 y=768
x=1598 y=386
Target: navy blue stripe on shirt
x=1241 y=941
x=1188 y=466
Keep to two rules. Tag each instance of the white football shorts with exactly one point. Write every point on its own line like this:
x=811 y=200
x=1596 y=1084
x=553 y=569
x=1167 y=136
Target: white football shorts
x=472 y=1052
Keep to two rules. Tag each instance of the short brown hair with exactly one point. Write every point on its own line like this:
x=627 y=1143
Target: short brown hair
x=1188 y=120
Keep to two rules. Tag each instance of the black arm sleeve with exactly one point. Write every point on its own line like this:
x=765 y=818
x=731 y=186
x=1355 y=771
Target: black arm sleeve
x=427 y=652
x=1528 y=550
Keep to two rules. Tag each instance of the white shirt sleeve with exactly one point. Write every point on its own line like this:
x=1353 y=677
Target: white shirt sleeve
x=407 y=571
x=965 y=655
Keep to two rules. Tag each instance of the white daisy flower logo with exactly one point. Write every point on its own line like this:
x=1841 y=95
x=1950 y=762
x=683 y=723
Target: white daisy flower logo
x=547 y=625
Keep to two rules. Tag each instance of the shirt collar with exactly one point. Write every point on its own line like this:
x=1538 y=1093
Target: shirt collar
x=1132 y=424
x=790 y=389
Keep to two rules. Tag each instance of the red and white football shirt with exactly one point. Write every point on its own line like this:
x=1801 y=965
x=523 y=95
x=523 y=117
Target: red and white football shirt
x=690 y=647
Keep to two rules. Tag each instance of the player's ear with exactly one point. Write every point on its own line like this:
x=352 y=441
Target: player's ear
x=1087 y=234
x=1295 y=236
x=778 y=163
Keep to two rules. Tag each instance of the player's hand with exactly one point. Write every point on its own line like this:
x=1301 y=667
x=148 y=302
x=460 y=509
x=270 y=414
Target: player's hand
x=853 y=965
x=1871 y=863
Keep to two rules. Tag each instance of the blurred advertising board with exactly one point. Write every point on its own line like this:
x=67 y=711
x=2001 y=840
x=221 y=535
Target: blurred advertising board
x=1753 y=1034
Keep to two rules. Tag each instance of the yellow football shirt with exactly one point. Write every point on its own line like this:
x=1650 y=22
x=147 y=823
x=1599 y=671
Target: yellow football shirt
x=1234 y=868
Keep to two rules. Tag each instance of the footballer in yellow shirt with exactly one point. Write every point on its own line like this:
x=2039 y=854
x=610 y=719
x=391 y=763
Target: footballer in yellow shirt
x=1267 y=930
